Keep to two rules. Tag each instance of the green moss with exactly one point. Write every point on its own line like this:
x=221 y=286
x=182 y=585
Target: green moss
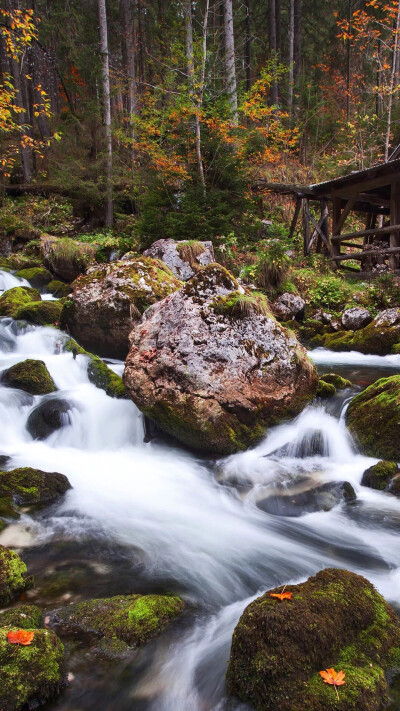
x=41 y=313
x=325 y=389
x=336 y=380
x=15 y=299
x=26 y=617
x=13 y=575
x=376 y=340
x=58 y=288
x=32 y=486
x=373 y=418
x=7 y=508
x=31 y=376
x=380 y=475
x=37 y=276
x=238 y=305
x=133 y=619
x=98 y=372
x=32 y=674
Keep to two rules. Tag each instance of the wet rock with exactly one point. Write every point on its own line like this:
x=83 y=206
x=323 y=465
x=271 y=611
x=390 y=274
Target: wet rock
x=212 y=366
x=32 y=486
x=182 y=258
x=13 y=576
x=98 y=372
x=335 y=619
x=325 y=389
x=373 y=418
x=132 y=619
x=289 y=306
x=4 y=459
x=15 y=299
x=48 y=417
x=25 y=617
x=31 y=376
x=106 y=303
x=32 y=675
x=356 y=318
x=58 y=288
x=337 y=381
x=320 y=498
x=41 y=313
x=380 y=475
x=378 y=338
x=38 y=277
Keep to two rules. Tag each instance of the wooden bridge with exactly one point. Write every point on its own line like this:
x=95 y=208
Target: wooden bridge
x=371 y=197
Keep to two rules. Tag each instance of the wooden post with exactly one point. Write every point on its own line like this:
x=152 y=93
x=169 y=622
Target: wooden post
x=324 y=225
x=394 y=220
x=336 y=229
x=306 y=226
x=295 y=217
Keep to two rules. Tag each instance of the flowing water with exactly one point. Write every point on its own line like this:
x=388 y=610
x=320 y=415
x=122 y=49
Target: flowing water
x=155 y=517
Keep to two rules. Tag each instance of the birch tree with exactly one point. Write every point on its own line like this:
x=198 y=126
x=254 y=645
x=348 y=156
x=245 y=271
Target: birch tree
x=106 y=108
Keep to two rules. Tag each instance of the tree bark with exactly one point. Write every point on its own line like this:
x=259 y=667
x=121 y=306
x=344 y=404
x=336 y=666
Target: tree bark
x=106 y=108
x=128 y=45
x=273 y=46
x=196 y=96
x=297 y=49
x=291 y=55
x=230 y=69
x=248 y=46
x=392 y=83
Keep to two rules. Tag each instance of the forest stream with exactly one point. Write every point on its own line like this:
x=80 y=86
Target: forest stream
x=153 y=517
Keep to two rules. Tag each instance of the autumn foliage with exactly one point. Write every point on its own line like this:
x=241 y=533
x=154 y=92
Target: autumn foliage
x=22 y=637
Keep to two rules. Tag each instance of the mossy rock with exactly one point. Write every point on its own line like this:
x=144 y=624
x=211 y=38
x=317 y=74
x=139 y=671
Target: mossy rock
x=336 y=380
x=37 y=276
x=58 y=288
x=32 y=486
x=41 y=313
x=133 y=619
x=378 y=338
x=98 y=372
x=26 y=617
x=379 y=475
x=335 y=619
x=8 y=512
x=17 y=298
x=373 y=418
x=31 y=675
x=31 y=376
x=325 y=389
x=13 y=576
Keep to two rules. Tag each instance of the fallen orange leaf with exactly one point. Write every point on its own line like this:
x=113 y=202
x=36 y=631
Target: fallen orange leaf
x=282 y=596
x=20 y=637
x=330 y=676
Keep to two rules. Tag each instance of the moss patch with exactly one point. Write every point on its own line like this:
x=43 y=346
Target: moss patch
x=41 y=313
x=373 y=418
x=336 y=380
x=32 y=486
x=31 y=376
x=238 y=305
x=13 y=576
x=26 y=617
x=58 y=288
x=37 y=276
x=15 y=299
x=325 y=389
x=380 y=475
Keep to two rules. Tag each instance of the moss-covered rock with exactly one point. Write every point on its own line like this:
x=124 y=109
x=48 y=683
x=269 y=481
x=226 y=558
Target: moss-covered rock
x=106 y=302
x=336 y=380
x=32 y=486
x=41 y=313
x=31 y=376
x=380 y=475
x=335 y=619
x=373 y=418
x=26 y=617
x=378 y=338
x=133 y=619
x=15 y=299
x=58 y=288
x=30 y=675
x=325 y=389
x=37 y=276
x=98 y=372
x=13 y=576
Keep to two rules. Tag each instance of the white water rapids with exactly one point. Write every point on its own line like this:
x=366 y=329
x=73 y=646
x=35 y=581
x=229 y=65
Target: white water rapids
x=194 y=523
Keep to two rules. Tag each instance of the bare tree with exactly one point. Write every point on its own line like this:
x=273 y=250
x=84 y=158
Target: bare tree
x=106 y=107
x=230 y=69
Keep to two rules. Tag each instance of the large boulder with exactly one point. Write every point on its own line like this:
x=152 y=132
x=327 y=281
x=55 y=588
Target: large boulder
x=335 y=619
x=183 y=258
x=30 y=675
x=13 y=576
x=356 y=318
x=212 y=366
x=32 y=486
x=380 y=475
x=58 y=288
x=373 y=418
x=132 y=619
x=289 y=306
x=17 y=298
x=107 y=302
x=31 y=376
x=49 y=416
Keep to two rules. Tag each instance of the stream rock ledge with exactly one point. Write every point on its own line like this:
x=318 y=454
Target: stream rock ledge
x=212 y=367
x=335 y=619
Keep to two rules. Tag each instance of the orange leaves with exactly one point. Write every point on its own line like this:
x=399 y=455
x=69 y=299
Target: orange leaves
x=282 y=596
x=20 y=637
x=330 y=676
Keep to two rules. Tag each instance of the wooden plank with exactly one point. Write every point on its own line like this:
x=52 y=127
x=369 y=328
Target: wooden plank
x=367 y=253
x=365 y=233
x=351 y=244
x=320 y=232
x=365 y=185
x=306 y=227
x=395 y=220
x=343 y=217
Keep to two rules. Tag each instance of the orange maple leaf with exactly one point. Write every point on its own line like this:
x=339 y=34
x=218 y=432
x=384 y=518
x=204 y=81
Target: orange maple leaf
x=330 y=676
x=282 y=596
x=20 y=637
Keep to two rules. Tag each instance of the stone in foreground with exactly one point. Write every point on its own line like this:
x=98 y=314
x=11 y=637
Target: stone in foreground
x=212 y=367
x=16 y=298
x=373 y=418
x=31 y=376
x=335 y=619
x=33 y=486
x=32 y=675
x=13 y=576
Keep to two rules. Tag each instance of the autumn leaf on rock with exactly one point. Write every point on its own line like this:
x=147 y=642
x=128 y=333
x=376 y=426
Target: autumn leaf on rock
x=330 y=676
x=282 y=596
x=20 y=637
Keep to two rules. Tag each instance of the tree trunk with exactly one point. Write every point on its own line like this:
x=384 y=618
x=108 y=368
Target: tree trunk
x=273 y=46
x=392 y=83
x=106 y=108
x=297 y=49
x=248 y=46
x=128 y=45
x=21 y=118
x=230 y=69
x=291 y=55
x=196 y=97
